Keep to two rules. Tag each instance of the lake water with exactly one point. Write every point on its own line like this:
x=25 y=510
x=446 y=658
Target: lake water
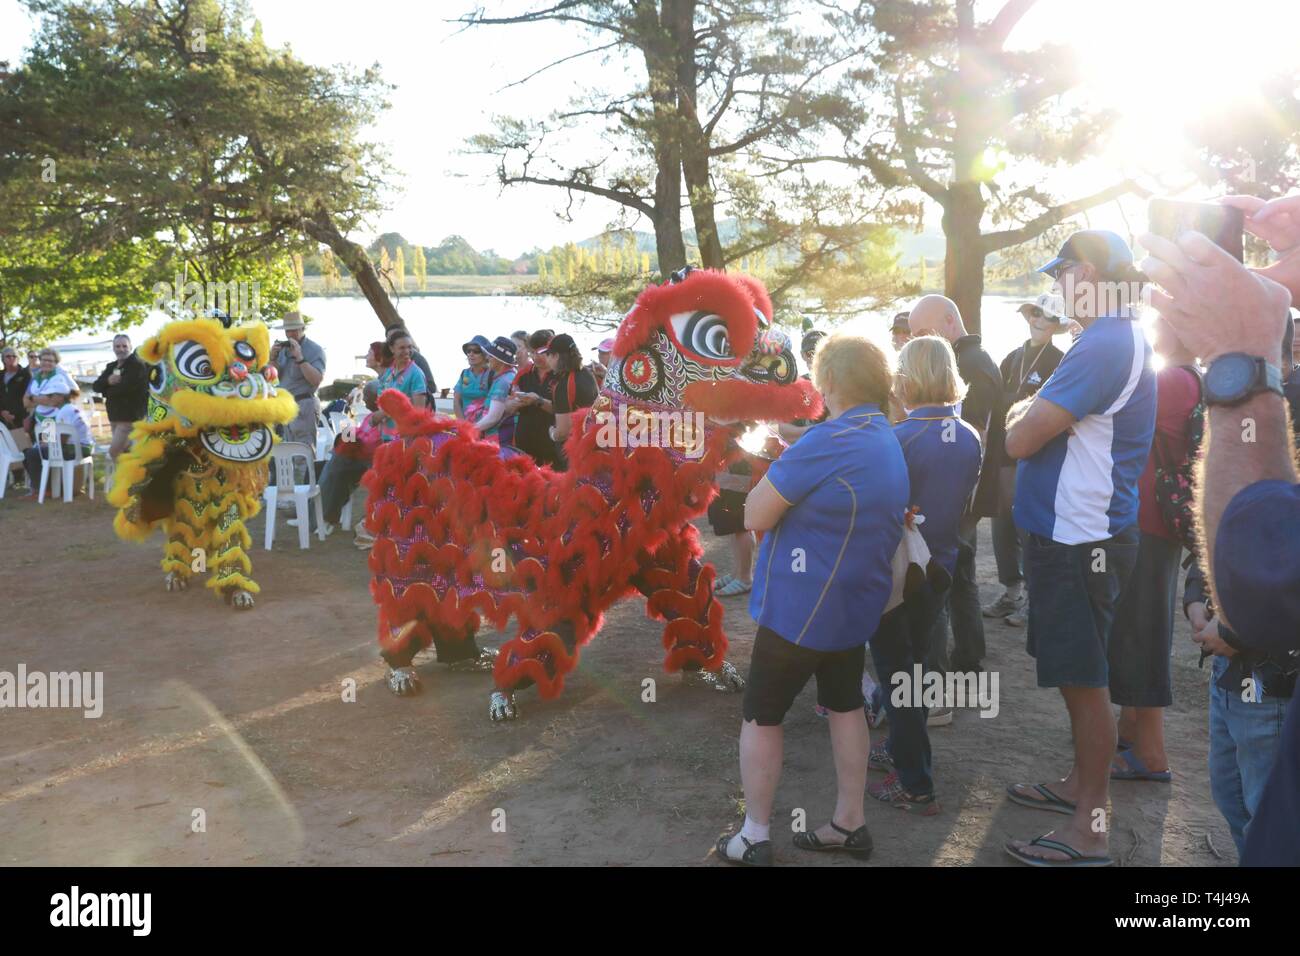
x=345 y=326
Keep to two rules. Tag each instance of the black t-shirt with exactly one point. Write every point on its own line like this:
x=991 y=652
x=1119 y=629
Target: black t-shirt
x=985 y=409
x=533 y=429
x=574 y=390
x=1026 y=369
x=11 y=396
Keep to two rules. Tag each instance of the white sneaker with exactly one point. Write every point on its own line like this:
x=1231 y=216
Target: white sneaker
x=328 y=529
x=939 y=717
x=292 y=522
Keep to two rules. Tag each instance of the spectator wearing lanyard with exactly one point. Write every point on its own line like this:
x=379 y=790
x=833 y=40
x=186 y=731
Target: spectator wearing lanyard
x=1248 y=500
x=495 y=424
x=300 y=363
x=943 y=464
x=124 y=383
x=1023 y=371
x=1082 y=443
x=575 y=389
x=403 y=375
x=982 y=408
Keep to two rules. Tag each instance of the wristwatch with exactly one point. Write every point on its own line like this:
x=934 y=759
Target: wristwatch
x=1234 y=377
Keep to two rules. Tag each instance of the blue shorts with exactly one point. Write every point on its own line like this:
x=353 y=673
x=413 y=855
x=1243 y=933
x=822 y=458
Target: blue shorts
x=1074 y=590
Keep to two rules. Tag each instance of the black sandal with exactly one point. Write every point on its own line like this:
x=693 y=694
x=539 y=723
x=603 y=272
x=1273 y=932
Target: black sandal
x=756 y=854
x=857 y=843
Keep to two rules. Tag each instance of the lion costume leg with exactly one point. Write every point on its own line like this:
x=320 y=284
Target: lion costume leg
x=232 y=568
x=188 y=534
x=679 y=590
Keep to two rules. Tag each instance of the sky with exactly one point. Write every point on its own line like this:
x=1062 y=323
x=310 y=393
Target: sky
x=1141 y=56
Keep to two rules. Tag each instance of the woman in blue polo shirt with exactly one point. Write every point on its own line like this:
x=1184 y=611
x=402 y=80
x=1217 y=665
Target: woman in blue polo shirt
x=833 y=508
x=943 y=466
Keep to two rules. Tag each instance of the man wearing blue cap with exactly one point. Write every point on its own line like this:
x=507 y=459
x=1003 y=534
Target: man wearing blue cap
x=1082 y=443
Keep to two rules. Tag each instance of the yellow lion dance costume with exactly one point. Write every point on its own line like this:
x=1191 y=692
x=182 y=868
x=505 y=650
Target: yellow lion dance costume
x=197 y=462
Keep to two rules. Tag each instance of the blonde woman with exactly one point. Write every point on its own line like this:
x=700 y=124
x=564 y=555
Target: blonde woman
x=943 y=465
x=833 y=508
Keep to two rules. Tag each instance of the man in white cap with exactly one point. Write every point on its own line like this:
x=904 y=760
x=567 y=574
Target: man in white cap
x=301 y=365
x=1023 y=372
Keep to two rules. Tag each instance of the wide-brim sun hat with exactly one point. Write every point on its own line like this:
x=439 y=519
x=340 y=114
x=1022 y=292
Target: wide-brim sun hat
x=1052 y=306
x=479 y=340
x=292 y=320
x=502 y=349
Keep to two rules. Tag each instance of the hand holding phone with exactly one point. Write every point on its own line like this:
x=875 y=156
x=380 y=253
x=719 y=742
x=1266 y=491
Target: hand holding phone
x=1224 y=225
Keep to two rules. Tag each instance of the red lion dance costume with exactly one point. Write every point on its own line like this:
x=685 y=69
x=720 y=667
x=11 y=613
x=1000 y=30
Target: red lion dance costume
x=464 y=535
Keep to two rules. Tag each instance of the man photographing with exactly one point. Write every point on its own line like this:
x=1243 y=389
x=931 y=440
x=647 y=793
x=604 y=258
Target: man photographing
x=300 y=363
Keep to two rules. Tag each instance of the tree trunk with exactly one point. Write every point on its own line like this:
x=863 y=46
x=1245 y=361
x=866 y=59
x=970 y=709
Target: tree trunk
x=679 y=18
x=963 y=212
x=963 y=264
x=320 y=226
x=657 y=47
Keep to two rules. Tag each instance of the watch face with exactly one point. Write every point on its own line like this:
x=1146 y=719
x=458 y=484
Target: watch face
x=1229 y=376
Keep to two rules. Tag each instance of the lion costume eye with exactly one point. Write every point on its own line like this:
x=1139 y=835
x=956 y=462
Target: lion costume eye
x=245 y=351
x=192 y=362
x=704 y=334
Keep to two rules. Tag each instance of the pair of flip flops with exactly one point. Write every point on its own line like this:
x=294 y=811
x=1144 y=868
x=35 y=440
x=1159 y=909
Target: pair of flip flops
x=729 y=586
x=1137 y=769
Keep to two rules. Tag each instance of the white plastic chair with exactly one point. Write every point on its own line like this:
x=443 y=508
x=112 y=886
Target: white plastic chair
x=52 y=435
x=105 y=452
x=10 y=458
x=283 y=457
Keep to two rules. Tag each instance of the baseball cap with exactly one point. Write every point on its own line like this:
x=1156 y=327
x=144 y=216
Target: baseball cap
x=900 y=323
x=1102 y=249
x=1052 y=306
x=606 y=345
x=810 y=341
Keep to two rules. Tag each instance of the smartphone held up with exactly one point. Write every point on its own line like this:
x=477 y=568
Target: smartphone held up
x=1224 y=225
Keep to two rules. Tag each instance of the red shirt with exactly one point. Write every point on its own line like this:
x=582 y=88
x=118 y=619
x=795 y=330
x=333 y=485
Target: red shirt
x=1177 y=392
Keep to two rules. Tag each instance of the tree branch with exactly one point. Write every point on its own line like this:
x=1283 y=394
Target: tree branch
x=995 y=241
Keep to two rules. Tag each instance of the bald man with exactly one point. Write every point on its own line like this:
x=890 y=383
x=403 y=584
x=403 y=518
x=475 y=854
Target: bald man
x=984 y=408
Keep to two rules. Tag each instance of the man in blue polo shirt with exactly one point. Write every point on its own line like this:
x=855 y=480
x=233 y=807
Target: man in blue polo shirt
x=1248 y=499
x=832 y=507
x=1082 y=443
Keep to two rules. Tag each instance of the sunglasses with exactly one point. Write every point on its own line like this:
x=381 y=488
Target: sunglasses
x=474 y=351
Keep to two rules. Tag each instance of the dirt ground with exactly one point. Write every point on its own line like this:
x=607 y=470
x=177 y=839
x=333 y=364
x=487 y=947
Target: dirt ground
x=226 y=739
